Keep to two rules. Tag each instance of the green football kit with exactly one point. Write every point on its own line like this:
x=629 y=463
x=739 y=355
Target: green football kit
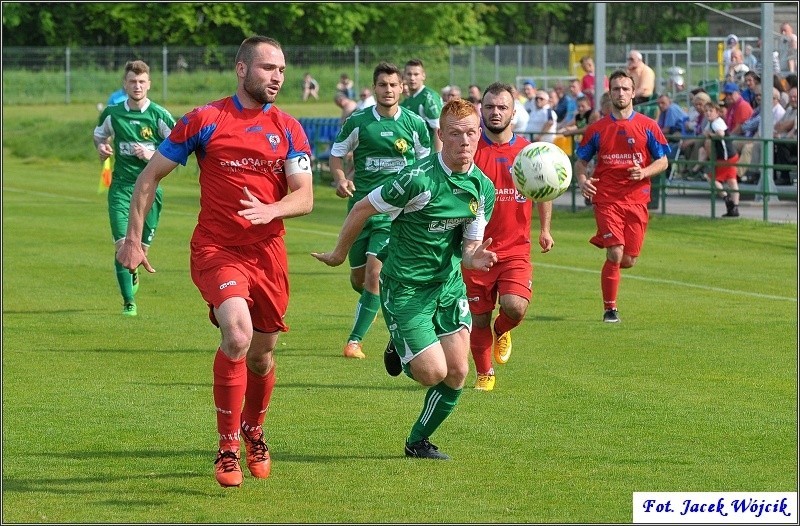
x=423 y=295
x=128 y=127
x=427 y=104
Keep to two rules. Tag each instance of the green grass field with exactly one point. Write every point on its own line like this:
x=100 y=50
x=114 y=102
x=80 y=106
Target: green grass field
x=110 y=419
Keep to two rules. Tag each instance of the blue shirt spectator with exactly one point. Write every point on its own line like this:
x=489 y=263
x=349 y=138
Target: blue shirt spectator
x=671 y=117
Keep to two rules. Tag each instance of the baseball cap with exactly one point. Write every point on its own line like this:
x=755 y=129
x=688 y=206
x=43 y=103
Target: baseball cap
x=730 y=87
x=529 y=81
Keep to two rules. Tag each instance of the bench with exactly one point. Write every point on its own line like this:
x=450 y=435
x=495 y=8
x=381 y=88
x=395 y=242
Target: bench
x=321 y=133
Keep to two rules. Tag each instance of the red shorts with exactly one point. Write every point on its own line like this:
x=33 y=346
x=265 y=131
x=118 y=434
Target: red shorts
x=725 y=170
x=510 y=276
x=619 y=224
x=257 y=273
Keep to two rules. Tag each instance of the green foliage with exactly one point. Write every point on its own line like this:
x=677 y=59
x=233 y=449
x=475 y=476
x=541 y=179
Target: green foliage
x=343 y=24
x=110 y=420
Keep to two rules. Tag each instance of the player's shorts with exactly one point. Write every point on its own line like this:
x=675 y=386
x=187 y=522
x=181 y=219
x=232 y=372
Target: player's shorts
x=417 y=315
x=258 y=273
x=725 y=170
x=508 y=276
x=619 y=224
x=372 y=240
x=119 y=206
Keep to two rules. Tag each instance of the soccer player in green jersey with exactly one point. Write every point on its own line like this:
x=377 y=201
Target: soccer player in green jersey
x=384 y=139
x=131 y=130
x=439 y=208
x=422 y=100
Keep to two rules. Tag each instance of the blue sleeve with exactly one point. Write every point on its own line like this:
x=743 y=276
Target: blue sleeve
x=587 y=150
x=657 y=149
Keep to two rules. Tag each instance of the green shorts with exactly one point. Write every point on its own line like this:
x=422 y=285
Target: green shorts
x=372 y=240
x=417 y=315
x=119 y=206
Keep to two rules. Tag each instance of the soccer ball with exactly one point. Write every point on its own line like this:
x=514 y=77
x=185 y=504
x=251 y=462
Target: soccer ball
x=542 y=171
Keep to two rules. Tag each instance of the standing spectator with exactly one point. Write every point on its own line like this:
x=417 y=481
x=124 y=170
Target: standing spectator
x=786 y=128
x=543 y=122
x=345 y=87
x=181 y=64
x=732 y=42
x=750 y=59
x=365 y=98
x=519 y=121
x=310 y=87
x=718 y=141
x=553 y=98
x=348 y=106
x=508 y=283
x=423 y=295
x=422 y=100
x=737 y=110
x=644 y=78
x=571 y=97
x=630 y=150
x=131 y=130
x=561 y=105
x=383 y=142
x=587 y=82
x=453 y=93
x=529 y=91
x=474 y=91
x=238 y=257
x=787 y=50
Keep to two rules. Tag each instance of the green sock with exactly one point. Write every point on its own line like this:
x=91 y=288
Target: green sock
x=125 y=282
x=440 y=400
x=366 y=310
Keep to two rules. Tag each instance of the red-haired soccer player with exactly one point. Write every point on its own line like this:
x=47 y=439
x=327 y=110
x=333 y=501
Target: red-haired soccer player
x=254 y=172
x=630 y=149
x=509 y=281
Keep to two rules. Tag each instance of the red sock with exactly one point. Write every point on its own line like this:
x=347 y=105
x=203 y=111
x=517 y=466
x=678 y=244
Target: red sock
x=256 y=398
x=230 y=381
x=480 y=343
x=503 y=323
x=609 y=283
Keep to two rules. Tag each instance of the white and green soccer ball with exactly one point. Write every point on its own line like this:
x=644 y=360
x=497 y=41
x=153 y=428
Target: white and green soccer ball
x=542 y=171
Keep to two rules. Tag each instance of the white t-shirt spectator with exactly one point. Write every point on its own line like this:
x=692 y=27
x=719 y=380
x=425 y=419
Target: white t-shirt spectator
x=539 y=117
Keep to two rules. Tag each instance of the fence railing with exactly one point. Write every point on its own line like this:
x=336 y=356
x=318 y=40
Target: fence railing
x=85 y=74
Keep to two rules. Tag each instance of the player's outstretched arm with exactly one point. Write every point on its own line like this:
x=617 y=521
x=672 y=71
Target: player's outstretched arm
x=130 y=254
x=545 y=211
x=353 y=224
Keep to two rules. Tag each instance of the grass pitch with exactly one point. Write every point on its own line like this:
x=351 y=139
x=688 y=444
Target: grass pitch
x=110 y=419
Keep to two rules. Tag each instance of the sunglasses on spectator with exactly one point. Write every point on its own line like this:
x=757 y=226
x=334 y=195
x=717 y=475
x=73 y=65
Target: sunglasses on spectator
x=542 y=98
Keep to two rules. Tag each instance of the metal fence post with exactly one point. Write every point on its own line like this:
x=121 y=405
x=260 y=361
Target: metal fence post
x=356 y=72
x=165 y=61
x=66 y=74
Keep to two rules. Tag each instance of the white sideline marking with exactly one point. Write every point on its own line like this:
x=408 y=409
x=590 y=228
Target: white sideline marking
x=47 y=194
x=627 y=276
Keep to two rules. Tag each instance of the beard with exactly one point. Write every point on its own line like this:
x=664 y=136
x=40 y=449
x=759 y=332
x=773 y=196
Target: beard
x=497 y=129
x=257 y=91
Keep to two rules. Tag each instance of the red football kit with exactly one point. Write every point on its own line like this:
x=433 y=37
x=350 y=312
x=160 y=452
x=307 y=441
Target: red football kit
x=236 y=148
x=509 y=227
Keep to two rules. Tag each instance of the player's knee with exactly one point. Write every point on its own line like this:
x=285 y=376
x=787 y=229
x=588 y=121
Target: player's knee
x=429 y=376
x=628 y=261
x=357 y=285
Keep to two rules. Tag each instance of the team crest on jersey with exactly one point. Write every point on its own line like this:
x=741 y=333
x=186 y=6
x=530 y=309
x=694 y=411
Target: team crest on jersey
x=473 y=206
x=274 y=141
x=401 y=145
x=146 y=132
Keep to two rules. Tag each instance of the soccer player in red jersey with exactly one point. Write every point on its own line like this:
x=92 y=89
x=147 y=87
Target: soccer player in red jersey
x=254 y=172
x=509 y=280
x=630 y=149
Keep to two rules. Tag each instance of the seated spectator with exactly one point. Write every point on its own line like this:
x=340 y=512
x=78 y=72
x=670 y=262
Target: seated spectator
x=732 y=42
x=751 y=81
x=310 y=87
x=737 y=68
x=692 y=148
x=475 y=91
x=718 y=141
x=750 y=151
x=345 y=86
x=644 y=78
x=672 y=120
x=787 y=50
x=560 y=104
x=543 y=121
x=365 y=99
x=453 y=93
x=519 y=122
x=554 y=97
x=582 y=117
x=571 y=97
x=737 y=110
